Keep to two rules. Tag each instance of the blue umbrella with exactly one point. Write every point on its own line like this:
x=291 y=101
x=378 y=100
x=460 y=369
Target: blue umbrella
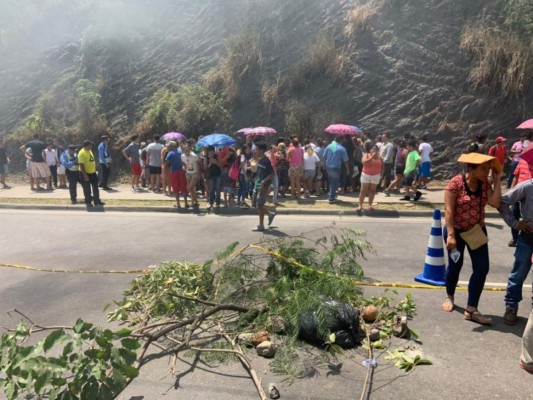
x=216 y=140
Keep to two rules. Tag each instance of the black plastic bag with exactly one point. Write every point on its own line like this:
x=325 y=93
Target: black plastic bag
x=338 y=318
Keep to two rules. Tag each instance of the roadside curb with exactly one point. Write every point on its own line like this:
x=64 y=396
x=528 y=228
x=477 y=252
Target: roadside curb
x=233 y=211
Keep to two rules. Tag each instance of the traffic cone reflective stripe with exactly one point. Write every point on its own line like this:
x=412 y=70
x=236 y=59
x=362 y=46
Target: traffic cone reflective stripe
x=434 y=266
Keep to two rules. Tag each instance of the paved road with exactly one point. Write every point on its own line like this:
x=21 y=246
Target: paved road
x=471 y=362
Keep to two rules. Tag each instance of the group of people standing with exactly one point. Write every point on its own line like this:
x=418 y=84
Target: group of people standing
x=51 y=164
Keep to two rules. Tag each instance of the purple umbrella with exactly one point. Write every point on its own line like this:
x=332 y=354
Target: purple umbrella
x=174 y=136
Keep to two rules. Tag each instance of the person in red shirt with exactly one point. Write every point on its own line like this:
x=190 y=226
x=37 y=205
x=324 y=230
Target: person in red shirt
x=499 y=150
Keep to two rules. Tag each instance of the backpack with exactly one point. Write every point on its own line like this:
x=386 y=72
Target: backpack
x=234 y=172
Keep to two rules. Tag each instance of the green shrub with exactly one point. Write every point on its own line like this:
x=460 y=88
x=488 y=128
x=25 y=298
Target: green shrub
x=518 y=14
x=297 y=118
x=191 y=109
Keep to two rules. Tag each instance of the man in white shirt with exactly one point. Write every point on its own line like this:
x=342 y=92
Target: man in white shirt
x=424 y=170
x=154 y=163
x=192 y=172
x=387 y=155
x=52 y=161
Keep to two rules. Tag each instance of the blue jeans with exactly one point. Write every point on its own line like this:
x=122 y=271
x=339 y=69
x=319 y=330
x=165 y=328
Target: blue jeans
x=480 y=268
x=243 y=188
x=521 y=267
x=214 y=191
x=334 y=176
x=512 y=168
x=518 y=215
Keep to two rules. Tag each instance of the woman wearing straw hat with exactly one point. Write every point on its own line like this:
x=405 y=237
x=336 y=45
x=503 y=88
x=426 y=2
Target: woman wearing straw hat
x=465 y=198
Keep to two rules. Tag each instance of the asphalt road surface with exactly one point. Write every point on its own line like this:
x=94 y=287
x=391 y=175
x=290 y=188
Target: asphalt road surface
x=470 y=361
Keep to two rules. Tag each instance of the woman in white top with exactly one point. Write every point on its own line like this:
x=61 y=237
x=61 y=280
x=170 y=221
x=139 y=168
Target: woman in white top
x=191 y=167
x=311 y=164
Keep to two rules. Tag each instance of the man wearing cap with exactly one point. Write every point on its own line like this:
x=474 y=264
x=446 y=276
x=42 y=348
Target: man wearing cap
x=69 y=160
x=88 y=175
x=104 y=159
x=499 y=150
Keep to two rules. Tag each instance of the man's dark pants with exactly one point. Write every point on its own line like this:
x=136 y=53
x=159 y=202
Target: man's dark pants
x=53 y=172
x=73 y=178
x=105 y=172
x=92 y=182
x=387 y=174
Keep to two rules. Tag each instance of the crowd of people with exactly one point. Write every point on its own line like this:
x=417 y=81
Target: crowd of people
x=247 y=174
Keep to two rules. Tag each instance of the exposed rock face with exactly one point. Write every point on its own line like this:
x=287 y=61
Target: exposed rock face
x=404 y=68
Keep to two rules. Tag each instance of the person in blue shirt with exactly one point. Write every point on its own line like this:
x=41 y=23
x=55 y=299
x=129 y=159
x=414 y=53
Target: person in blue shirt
x=178 y=178
x=69 y=160
x=104 y=159
x=335 y=157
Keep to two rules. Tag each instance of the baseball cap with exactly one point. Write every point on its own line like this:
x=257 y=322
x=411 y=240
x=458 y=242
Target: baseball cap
x=500 y=139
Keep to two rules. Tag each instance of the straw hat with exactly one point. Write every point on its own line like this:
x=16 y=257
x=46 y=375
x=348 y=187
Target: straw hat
x=477 y=158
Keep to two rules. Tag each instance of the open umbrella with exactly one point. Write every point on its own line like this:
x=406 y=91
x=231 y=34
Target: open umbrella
x=174 y=136
x=341 y=129
x=216 y=140
x=258 y=131
x=526 y=124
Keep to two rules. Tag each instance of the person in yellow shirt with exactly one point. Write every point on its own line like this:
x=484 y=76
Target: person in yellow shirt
x=88 y=177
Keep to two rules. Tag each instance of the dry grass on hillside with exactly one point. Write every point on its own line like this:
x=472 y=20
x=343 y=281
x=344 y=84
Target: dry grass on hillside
x=503 y=60
x=322 y=59
x=360 y=16
x=272 y=96
x=243 y=58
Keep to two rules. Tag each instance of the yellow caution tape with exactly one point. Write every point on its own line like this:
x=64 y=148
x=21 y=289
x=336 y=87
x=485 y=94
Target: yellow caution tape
x=265 y=250
x=67 y=271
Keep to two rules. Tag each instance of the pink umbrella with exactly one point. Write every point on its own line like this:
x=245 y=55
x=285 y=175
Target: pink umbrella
x=174 y=136
x=258 y=131
x=526 y=124
x=341 y=129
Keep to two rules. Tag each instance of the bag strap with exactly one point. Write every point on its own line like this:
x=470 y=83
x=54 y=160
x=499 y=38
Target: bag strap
x=478 y=193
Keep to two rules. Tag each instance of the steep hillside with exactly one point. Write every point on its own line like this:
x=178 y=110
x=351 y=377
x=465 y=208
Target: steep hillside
x=421 y=66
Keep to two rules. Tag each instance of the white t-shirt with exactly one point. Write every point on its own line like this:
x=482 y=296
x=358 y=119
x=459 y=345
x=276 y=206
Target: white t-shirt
x=310 y=161
x=425 y=151
x=244 y=164
x=154 y=151
x=190 y=163
x=51 y=157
